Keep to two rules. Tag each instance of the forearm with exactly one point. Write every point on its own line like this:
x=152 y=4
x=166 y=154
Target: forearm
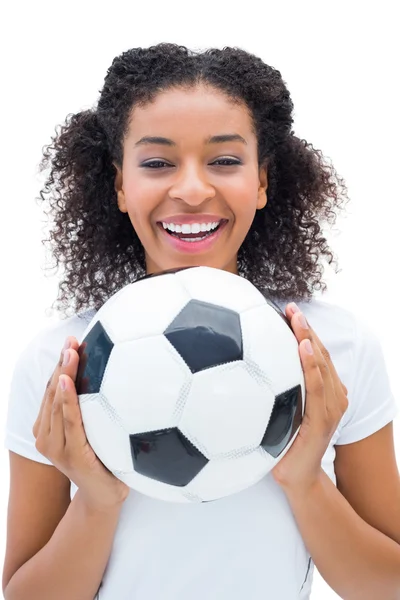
x=356 y=560
x=71 y=565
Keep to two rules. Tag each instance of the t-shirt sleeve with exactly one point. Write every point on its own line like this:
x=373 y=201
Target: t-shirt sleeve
x=32 y=371
x=372 y=404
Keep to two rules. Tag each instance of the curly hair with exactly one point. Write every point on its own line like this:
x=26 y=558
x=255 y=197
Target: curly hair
x=96 y=243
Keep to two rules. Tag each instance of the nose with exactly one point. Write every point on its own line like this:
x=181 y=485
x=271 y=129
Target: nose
x=191 y=186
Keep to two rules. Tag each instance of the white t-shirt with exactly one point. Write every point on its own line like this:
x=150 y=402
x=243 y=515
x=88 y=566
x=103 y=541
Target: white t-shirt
x=244 y=546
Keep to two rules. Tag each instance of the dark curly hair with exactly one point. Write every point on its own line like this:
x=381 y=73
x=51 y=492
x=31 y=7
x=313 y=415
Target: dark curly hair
x=97 y=244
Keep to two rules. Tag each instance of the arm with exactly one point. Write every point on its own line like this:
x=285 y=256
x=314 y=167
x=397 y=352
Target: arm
x=354 y=536
x=70 y=565
x=57 y=548
x=357 y=560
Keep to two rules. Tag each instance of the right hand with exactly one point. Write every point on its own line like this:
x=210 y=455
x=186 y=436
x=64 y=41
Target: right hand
x=61 y=438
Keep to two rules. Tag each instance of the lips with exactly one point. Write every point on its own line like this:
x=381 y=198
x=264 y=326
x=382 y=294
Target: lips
x=190 y=228
x=192 y=242
x=182 y=219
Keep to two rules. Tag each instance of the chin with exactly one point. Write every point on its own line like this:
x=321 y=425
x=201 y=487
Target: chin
x=186 y=262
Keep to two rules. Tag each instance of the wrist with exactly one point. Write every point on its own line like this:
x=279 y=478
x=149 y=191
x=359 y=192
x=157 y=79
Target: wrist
x=301 y=487
x=103 y=503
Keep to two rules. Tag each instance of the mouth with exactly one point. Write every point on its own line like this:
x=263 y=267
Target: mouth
x=195 y=237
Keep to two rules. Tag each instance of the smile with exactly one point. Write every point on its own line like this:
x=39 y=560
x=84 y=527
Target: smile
x=191 y=232
x=192 y=237
x=187 y=228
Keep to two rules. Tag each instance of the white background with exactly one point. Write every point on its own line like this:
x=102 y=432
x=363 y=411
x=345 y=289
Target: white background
x=338 y=60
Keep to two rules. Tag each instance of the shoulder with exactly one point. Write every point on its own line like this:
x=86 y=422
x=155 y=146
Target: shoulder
x=337 y=327
x=345 y=331
x=357 y=353
x=32 y=370
x=62 y=328
x=44 y=348
x=352 y=341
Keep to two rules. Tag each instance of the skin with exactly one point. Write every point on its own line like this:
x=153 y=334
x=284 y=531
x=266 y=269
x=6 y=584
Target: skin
x=190 y=183
x=60 y=548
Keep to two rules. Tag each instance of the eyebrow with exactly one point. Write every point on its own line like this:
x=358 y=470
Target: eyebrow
x=215 y=139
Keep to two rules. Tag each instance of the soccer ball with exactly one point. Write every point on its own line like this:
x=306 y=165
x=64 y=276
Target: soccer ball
x=190 y=384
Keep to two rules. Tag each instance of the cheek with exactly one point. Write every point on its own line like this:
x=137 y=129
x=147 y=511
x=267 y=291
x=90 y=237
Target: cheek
x=242 y=195
x=140 y=202
x=244 y=207
x=137 y=214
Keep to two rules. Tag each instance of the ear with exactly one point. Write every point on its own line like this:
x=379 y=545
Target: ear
x=262 y=189
x=119 y=189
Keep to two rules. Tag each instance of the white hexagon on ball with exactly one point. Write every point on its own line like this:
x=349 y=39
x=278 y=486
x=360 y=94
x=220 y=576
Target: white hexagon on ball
x=222 y=477
x=137 y=306
x=226 y=410
x=220 y=288
x=106 y=433
x=132 y=381
x=271 y=347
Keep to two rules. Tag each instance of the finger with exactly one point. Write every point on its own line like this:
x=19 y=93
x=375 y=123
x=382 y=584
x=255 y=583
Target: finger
x=75 y=436
x=303 y=327
x=81 y=381
x=333 y=401
x=68 y=365
x=328 y=368
x=303 y=330
x=325 y=355
x=314 y=383
x=51 y=385
x=57 y=431
x=48 y=390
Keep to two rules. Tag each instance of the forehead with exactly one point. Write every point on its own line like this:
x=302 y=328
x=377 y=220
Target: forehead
x=202 y=107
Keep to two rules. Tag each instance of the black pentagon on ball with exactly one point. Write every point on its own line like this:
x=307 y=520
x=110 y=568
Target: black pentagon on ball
x=166 y=455
x=285 y=418
x=94 y=353
x=206 y=335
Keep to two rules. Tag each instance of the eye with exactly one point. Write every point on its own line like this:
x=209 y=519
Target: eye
x=154 y=164
x=230 y=161
x=160 y=164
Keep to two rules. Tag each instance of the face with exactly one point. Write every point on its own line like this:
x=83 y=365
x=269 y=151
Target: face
x=191 y=192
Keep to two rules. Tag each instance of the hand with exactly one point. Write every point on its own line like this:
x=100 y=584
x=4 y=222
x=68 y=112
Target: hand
x=326 y=402
x=61 y=438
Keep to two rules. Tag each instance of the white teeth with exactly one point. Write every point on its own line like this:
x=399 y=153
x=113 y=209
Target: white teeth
x=190 y=228
x=197 y=239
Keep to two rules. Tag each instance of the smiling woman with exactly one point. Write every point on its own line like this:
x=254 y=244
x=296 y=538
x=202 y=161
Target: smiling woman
x=189 y=175
x=103 y=160
x=190 y=158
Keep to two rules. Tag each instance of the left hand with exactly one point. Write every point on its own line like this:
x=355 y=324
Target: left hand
x=326 y=402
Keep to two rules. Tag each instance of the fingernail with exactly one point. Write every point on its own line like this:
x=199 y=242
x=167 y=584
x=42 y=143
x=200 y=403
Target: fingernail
x=303 y=322
x=66 y=358
x=62 y=383
x=308 y=347
x=294 y=307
